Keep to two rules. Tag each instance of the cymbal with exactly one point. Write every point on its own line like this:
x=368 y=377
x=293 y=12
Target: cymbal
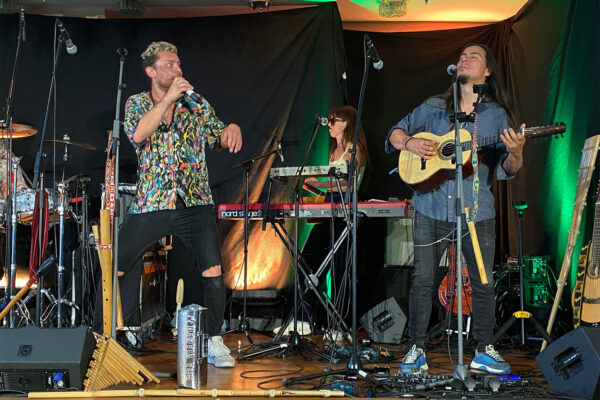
x=69 y=142
x=19 y=131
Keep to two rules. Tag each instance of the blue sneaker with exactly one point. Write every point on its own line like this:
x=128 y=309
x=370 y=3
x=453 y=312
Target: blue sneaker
x=490 y=361
x=414 y=362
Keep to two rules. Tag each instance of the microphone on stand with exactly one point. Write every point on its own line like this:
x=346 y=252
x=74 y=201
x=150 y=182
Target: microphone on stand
x=451 y=69
x=71 y=48
x=324 y=121
x=372 y=52
x=23 y=32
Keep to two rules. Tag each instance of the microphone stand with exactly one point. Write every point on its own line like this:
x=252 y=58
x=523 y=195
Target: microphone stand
x=11 y=225
x=115 y=150
x=38 y=175
x=461 y=371
x=244 y=325
x=354 y=365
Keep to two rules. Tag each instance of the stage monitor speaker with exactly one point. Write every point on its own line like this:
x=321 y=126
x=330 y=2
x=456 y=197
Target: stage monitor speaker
x=36 y=359
x=386 y=321
x=571 y=364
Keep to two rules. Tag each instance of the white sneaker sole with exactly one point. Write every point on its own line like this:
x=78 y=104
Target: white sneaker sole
x=488 y=369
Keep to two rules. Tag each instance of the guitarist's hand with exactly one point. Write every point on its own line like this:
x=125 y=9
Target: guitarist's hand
x=424 y=148
x=514 y=142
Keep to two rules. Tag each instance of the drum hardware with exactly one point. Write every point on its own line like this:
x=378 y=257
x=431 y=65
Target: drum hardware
x=18 y=131
x=60 y=267
x=12 y=230
x=67 y=141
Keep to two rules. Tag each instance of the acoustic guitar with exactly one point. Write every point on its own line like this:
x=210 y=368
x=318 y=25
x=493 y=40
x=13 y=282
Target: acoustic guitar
x=586 y=293
x=426 y=175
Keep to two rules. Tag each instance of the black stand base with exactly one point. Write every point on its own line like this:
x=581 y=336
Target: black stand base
x=521 y=315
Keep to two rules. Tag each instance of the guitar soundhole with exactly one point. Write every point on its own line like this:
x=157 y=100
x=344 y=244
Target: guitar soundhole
x=447 y=150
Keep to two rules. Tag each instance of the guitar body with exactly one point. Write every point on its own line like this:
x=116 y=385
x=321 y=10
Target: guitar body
x=590 y=304
x=425 y=175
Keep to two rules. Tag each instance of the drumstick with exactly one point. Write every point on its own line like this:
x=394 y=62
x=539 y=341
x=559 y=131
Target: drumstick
x=476 y=248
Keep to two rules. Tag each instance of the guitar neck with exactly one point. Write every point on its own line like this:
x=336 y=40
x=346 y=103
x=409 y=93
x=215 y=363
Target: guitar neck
x=537 y=131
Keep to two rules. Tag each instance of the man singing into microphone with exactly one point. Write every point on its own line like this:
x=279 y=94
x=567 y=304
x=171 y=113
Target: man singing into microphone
x=435 y=210
x=170 y=130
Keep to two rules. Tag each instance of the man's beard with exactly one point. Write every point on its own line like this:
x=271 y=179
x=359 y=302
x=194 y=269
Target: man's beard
x=462 y=79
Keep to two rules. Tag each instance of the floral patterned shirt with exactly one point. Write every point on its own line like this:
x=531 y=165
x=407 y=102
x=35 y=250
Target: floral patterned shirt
x=171 y=161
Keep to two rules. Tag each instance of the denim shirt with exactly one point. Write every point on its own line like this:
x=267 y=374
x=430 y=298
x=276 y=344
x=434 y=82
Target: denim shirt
x=431 y=116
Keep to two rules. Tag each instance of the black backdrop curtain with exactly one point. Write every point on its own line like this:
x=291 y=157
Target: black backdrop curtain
x=531 y=49
x=268 y=72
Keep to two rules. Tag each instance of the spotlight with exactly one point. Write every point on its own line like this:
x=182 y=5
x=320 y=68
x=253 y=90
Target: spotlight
x=131 y=8
x=392 y=8
x=259 y=5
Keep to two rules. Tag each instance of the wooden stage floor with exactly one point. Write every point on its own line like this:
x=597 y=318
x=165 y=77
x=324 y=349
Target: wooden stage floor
x=159 y=355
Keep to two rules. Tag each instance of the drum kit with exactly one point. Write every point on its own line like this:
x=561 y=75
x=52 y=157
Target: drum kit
x=19 y=210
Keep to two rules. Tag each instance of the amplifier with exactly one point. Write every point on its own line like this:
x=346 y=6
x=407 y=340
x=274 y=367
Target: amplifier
x=44 y=359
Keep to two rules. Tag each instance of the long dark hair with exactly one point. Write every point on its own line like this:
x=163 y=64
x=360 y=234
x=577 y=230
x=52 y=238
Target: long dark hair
x=496 y=87
x=349 y=114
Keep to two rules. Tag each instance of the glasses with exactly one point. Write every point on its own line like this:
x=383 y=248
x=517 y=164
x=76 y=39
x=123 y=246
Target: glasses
x=333 y=120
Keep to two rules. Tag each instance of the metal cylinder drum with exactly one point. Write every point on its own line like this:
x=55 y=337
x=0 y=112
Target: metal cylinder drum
x=192 y=347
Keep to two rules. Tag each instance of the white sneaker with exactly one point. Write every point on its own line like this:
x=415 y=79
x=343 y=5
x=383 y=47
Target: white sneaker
x=303 y=328
x=218 y=354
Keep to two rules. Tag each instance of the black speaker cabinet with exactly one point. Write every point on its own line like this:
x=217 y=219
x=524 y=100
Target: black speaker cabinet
x=571 y=364
x=35 y=359
x=386 y=321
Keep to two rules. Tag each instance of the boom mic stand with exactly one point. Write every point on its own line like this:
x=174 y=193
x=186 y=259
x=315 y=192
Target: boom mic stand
x=244 y=325
x=38 y=171
x=354 y=365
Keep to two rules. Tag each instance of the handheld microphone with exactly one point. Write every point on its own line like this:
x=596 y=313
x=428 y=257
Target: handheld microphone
x=193 y=96
x=322 y=120
x=279 y=152
x=71 y=48
x=451 y=70
x=23 y=32
x=372 y=53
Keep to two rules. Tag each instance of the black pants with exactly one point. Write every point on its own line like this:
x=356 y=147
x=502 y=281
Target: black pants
x=196 y=227
x=428 y=252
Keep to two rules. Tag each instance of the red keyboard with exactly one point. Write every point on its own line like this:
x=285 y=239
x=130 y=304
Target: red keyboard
x=371 y=209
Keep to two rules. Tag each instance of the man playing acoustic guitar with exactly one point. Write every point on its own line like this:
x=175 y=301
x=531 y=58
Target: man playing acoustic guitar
x=435 y=217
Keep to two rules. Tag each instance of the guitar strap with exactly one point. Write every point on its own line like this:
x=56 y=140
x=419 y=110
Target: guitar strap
x=475 y=163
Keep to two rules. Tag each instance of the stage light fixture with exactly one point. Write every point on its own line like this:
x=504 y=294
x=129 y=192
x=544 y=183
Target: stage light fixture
x=131 y=8
x=259 y=5
x=392 y=8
